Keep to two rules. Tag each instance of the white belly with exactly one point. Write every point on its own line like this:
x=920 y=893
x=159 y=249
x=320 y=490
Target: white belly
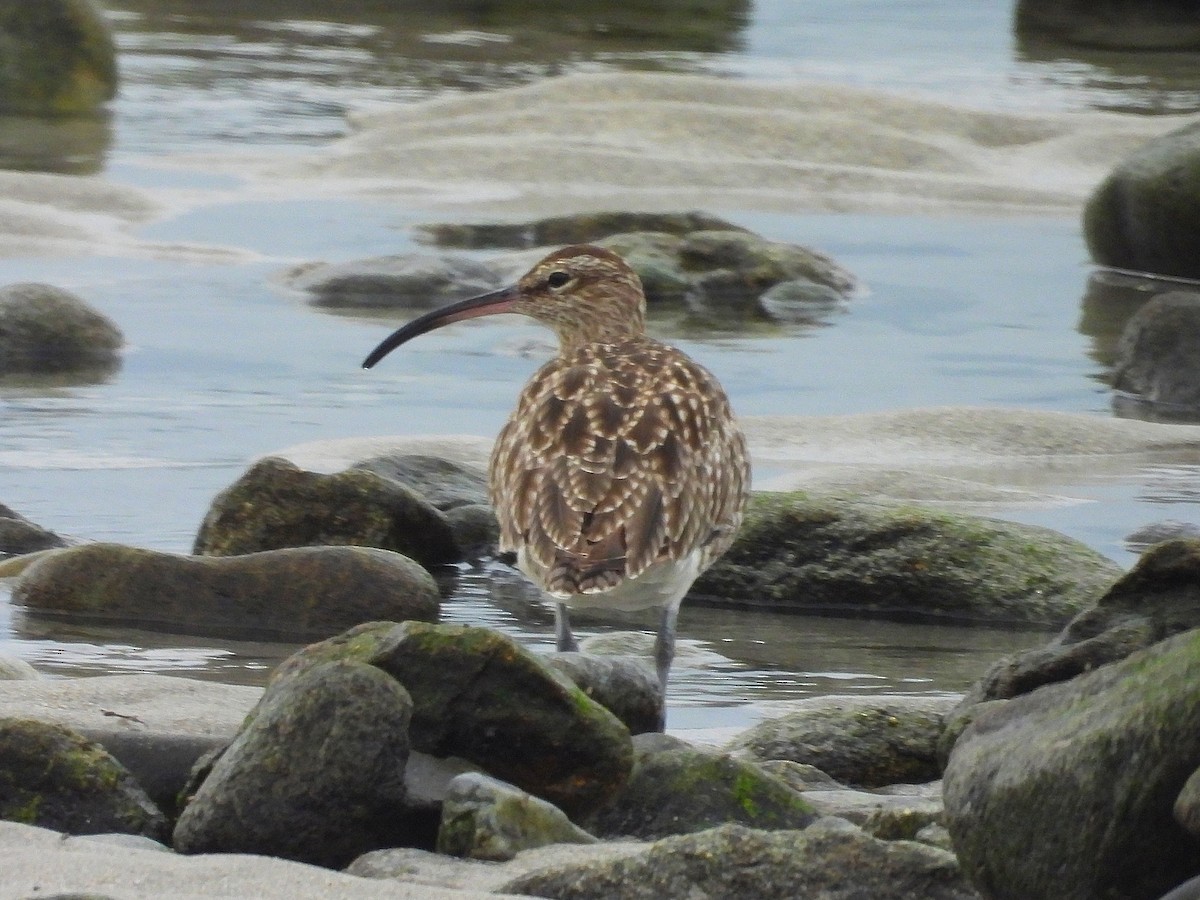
x=663 y=584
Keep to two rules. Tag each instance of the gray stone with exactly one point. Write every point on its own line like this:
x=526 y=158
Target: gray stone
x=296 y=594
x=404 y=281
x=861 y=741
x=1068 y=792
x=1156 y=354
x=14 y=669
x=483 y=818
x=316 y=775
x=580 y=228
x=443 y=482
x=800 y=301
x=275 y=504
x=56 y=778
x=1187 y=805
x=475 y=528
x=626 y=686
x=800 y=553
x=45 y=330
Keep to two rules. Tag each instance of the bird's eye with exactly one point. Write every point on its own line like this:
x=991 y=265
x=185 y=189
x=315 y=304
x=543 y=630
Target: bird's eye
x=557 y=279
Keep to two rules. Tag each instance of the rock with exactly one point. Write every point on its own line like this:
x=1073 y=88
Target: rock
x=483 y=818
x=581 y=228
x=1068 y=792
x=55 y=778
x=59 y=57
x=316 y=775
x=19 y=536
x=14 y=669
x=678 y=789
x=1157 y=598
x=1142 y=539
x=45 y=330
x=443 y=482
x=475 y=528
x=882 y=812
x=479 y=696
x=275 y=504
x=1156 y=354
x=404 y=281
x=800 y=301
x=798 y=553
x=830 y=858
x=298 y=593
x=1116 y=24
x=625 y=686
x=1186 y=808
x=862 y=741
x=654 y=255
x=1143 y=216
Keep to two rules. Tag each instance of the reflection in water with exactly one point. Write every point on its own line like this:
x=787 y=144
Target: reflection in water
x=64 y=145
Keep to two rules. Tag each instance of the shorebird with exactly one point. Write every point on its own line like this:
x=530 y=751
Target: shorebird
x=622 y=473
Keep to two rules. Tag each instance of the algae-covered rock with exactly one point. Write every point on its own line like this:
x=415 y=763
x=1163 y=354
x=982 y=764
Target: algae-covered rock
x=830 y=858
x=580 y=228
x=45 y=330
x=1145 y=215
x=18 y=535
x=296 y=593
x=1068 y=792
x=58 y=57
x=52 y=777
x=483 y=818
x=678 y=789
x=626 y=686
x=316 y=774
x=797 y=553
x=861 y=741
x=275 y=504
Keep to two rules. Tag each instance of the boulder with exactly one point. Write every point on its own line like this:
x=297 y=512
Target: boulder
x=443 y=482
x=797 y=553
x=286 y=594
x=275 y=504
x=18 y=535
x=479 y=696
x=624 y=685
x=45 y=330
x=676 y=788
x=1145 y=215
x=55 y=778
x=800 y=301
x=861 y=741
x=483 y=818
x=580 y=228
x=1157 y=598
x=316 y=775
x=59 y=57
x=13 y=668
x=830 y=858
x=1068 y=792
x=1156 y=354
x=403 y=281
x=475 y=529
x=1114 y=24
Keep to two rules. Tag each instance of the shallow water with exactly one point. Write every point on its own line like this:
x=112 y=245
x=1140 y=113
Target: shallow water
x=223 y=365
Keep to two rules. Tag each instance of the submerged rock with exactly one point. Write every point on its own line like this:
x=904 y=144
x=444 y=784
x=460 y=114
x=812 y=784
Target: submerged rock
x=296 y=593
x=18 y=535
x=1068 y=792
x=275 y=504
x=1115 y=24
x=55 y=778
x=404 y=281
x=316 y=775
x=1156 y=354
x=45 y=330
x=804 y=554
x=580 y=228
x=59 y=57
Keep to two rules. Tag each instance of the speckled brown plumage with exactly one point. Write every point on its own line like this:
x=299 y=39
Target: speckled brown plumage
x=622 y=474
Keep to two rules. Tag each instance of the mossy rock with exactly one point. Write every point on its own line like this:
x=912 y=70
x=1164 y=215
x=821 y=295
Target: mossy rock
x=45 y=330
x=580 y=228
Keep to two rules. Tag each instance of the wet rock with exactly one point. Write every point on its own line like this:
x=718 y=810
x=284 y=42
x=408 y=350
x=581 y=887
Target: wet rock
x=1156 y=354
x=805 y=554
x=475 y=528
x=404 y=281
x=316 y=775
x=298 y=593
x=861 y=741
x=59 y=57
x=679 y=789
x=581 y=228
x=14 y=669
x=479 y=696
x=654 y=255
x=625 y=686
x=276 y=504
x=1147 y=536
x=483 y=818
x=55 y=778
x=1068 y=792
x=45 y=330
x=1159 y=597
x=1143 y=216
x=18 y=535
x=831 y=858
x=1187 y=805
x=445 y=484
x=800 y=301
x=1116 y=25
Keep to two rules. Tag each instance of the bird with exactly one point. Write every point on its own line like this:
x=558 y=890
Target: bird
x=622 y=474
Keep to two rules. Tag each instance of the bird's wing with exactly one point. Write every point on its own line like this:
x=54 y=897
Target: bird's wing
x=617 y=457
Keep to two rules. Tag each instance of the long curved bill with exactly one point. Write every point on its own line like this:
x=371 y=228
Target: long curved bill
x=473 y=307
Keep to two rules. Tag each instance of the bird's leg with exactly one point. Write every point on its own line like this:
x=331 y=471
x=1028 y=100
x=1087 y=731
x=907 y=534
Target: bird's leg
x=562 y=630
x=664 y=646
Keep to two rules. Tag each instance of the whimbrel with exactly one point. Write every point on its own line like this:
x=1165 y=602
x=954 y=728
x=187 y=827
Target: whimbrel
x=622 y=474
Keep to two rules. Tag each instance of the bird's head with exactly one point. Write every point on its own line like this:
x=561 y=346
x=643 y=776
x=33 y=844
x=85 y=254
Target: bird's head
x=586 y=294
